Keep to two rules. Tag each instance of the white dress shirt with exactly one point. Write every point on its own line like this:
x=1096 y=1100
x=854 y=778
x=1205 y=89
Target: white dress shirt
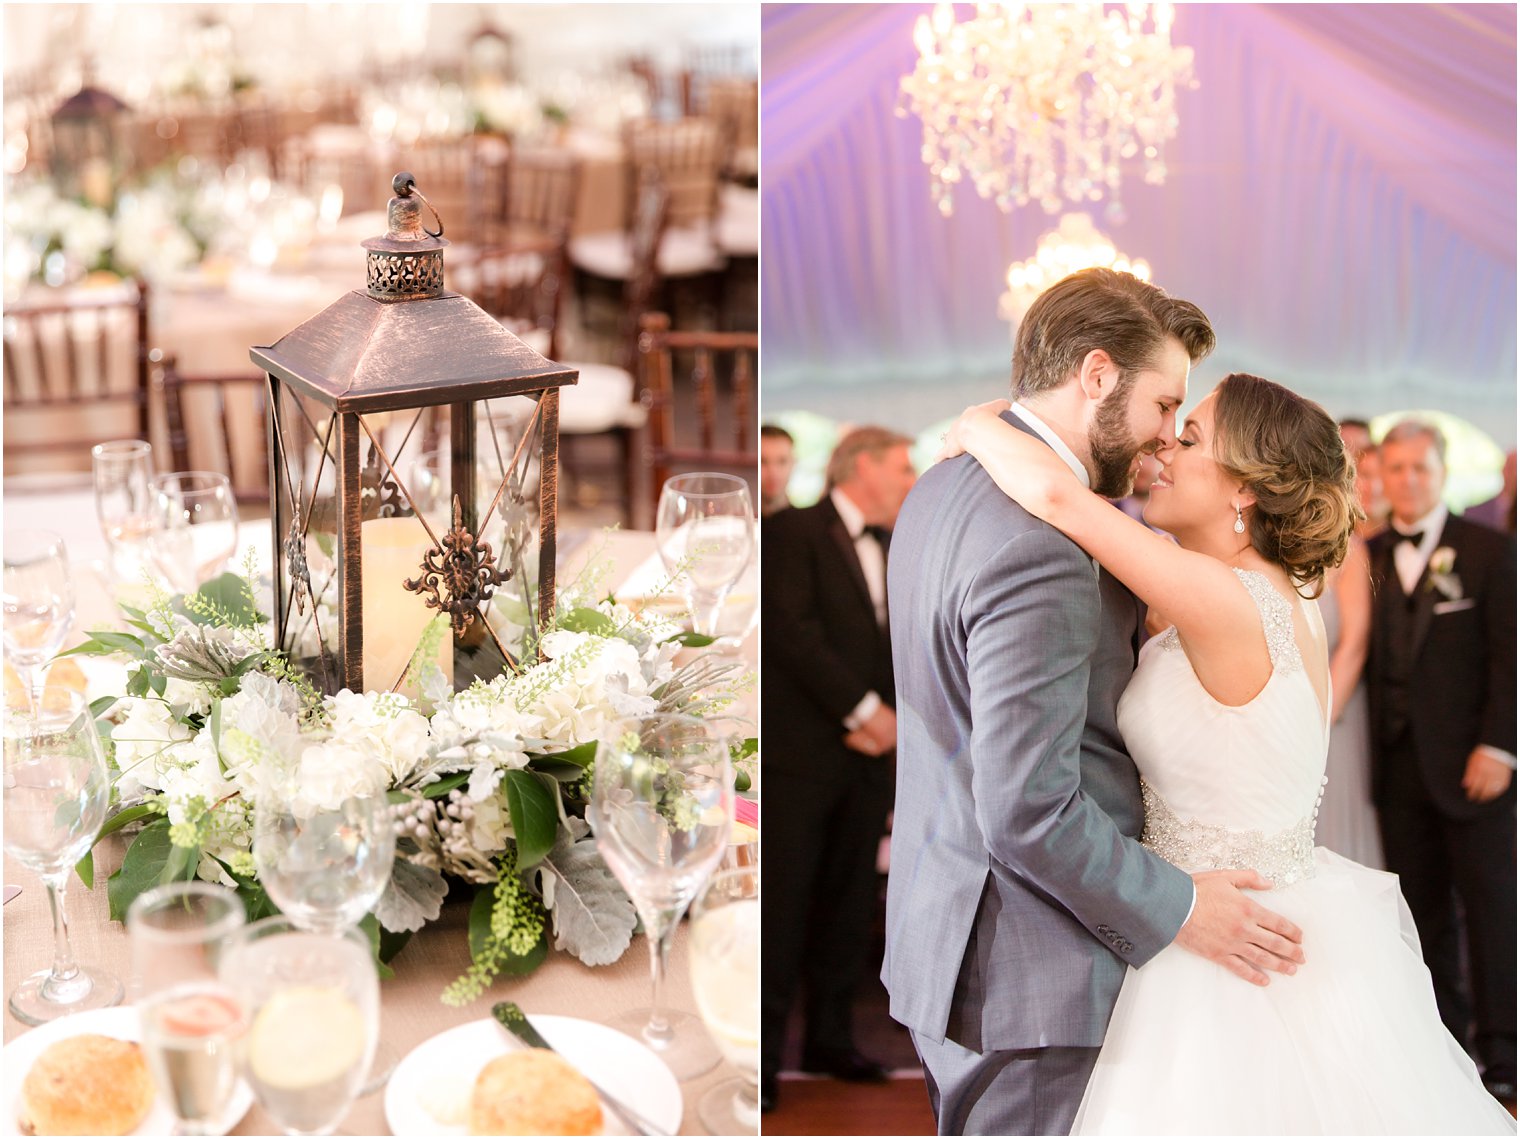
x=873 y=563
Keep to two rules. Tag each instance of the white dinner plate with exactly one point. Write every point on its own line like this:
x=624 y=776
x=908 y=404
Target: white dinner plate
x=446 y=1066
x=122 y=1023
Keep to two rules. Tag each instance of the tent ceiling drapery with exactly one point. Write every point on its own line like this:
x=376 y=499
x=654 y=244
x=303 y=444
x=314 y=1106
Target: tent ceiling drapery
x=1341 y=200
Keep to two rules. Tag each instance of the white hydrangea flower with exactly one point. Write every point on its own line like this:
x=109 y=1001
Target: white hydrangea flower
x=259 y=723
x=386 y=727
x=332 y=771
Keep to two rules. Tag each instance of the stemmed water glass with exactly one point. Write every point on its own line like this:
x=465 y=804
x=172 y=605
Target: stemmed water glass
x=324 y=864
x=661 y=803
x=725 y=979
x=56 y=793
x=124 y=502
x=195 y=527
x=705 y=531
x=38 y=601
x=314 y=1000
x=193 y=1023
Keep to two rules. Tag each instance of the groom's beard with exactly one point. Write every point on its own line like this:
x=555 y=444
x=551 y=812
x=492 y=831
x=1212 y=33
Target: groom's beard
x=1112 y=443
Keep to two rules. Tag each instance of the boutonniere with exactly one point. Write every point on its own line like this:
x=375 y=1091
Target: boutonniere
x=1440 y=576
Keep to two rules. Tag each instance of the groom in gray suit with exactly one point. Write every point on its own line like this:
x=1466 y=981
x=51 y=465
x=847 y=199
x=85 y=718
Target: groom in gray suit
x=1018 y=890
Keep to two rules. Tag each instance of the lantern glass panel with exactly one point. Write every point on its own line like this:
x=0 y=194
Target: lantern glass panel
x=430 y=480
x=305 y=507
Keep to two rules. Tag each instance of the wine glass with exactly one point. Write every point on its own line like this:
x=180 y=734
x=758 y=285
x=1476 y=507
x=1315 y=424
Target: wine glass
x=661 y=801
x=705 y=531
x=725 y=978
x=195 y=527
x=38 y=601
x=56 y=793
x=324 y=865
x=124 y=502
x=314 y=999
x=193 y=1023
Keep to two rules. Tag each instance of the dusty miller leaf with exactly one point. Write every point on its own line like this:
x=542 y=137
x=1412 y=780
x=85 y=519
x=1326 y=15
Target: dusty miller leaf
x=593 y=918
x=413 y=897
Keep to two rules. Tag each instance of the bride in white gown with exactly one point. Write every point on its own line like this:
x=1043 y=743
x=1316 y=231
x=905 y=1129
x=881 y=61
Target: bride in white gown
x=1225 y=718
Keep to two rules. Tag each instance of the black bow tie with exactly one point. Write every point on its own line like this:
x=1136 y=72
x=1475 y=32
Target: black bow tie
x=1413 y=539
x=880 y=533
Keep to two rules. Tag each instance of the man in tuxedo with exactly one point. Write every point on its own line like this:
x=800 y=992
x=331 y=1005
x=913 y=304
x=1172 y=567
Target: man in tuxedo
x=829 y=731
x=1019 y=891
x=777 y=460
x=1441 y=678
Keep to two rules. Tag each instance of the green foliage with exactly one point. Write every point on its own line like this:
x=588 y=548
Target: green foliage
x=152 y=860
x=532 y=800
x=508 y=934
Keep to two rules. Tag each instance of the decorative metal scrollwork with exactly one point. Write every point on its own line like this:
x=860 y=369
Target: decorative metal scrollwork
x=295 y=561
x=380 y=488
x=458 y=575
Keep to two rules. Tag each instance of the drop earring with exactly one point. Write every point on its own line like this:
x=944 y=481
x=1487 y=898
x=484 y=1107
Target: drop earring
x=1240 y=523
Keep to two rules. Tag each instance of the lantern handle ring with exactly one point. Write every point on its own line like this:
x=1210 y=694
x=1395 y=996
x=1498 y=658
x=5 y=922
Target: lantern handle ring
x=405 y=185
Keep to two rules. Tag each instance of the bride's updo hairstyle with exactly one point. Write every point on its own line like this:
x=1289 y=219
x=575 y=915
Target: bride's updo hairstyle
x=1287 y=452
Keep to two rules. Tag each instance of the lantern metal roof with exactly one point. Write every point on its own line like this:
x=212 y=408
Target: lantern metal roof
x=404 y=341
x=361 y=354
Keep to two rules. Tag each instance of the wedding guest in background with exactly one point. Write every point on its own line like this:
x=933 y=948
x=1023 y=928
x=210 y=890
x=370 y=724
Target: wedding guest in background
x=830 y=732
x=1357 y=437
x=1441 y=682
x=1347 y=821
x=777 y=460
x=1499 y=511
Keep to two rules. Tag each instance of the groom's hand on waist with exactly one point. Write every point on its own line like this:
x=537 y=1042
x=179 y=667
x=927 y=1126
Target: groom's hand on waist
x=1230 y=929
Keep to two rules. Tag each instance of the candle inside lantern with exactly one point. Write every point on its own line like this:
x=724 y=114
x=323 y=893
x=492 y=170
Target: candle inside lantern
x=392 y=550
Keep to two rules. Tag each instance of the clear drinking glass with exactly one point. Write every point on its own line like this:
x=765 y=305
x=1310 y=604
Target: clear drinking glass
x=661 y=805
x=325 y=867
x=38 y=600
x=725 y=979
x=56 y=793
x=314 y=999
x=124 y=503
x=193 y=1024
x=705 y=530
x=195 y=527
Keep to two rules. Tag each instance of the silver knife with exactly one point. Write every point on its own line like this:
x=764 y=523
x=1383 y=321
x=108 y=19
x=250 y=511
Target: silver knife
x=512 y=1018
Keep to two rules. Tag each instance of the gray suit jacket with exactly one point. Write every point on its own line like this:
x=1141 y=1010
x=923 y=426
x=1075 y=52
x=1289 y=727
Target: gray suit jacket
x=1018 y=891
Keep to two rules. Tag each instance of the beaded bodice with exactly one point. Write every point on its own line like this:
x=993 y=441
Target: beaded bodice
x=1229 y=786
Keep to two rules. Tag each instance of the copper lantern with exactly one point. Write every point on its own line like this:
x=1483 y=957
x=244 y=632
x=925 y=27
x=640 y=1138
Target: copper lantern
x=89 y=149
x=413 y=445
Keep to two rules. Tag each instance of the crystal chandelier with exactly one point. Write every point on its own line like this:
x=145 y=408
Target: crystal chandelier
x=1075 y=244
x=1043 y=101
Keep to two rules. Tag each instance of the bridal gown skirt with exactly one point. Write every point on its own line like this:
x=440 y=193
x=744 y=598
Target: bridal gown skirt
x=1351 y=1044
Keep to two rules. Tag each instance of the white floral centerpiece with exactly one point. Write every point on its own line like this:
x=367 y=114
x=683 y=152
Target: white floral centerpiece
x=487 y=785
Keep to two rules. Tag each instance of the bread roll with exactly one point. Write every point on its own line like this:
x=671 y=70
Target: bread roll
x=63 y=676
x=86 y=1085
x=533 y=1092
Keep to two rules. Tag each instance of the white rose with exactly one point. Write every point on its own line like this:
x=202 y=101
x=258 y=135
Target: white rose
x=186 y=697
x=143 y=742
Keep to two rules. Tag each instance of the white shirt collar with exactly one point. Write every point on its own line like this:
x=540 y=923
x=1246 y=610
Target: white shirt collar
x=1431 y=526
x=1042 y=429
x=850 y=514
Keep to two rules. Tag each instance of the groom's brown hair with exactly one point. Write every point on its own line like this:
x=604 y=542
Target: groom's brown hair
x=1128 y=318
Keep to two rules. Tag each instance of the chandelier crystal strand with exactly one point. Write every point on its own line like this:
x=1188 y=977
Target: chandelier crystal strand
x=1075 y=244
x=1043 y=102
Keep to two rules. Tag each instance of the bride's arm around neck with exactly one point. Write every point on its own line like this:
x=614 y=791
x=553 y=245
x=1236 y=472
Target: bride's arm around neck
x=1215 y=617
